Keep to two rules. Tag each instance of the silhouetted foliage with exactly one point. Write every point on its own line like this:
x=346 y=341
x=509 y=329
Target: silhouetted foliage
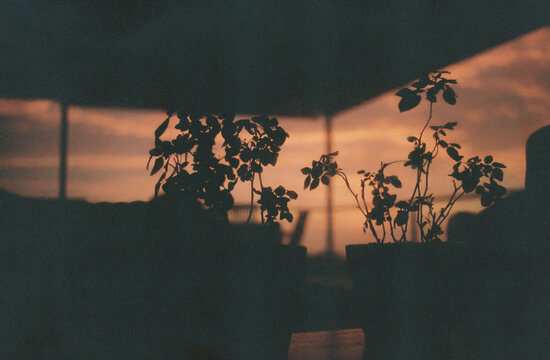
x=194 y=164
x=389 y=214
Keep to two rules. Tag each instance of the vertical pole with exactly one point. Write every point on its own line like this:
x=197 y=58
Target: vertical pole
x=328 y=138
x=63 y=153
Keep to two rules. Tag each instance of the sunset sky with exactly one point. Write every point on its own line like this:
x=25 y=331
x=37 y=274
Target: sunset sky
x=503 y=96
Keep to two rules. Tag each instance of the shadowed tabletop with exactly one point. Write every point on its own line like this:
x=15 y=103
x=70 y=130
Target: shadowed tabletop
x=327 y=345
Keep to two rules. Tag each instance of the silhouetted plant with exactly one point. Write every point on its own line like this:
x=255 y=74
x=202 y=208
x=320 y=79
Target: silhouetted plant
x=388 y=215
x=192 y=163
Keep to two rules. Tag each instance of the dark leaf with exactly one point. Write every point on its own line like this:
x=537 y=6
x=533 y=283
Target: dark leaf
x=450 y=125
x=499 y=190
x=148 y=161
x=395 y=182
x=234 y=162
x=499 y=165
x=306 y=171
x=157 y=187
x=162 y=128
x=255 y=167
x=404 y=92
x=469 y=185
x=325 y=180
x=155 y=151
x=486 y=199
x=449 y=95
x=411 y=138
x=488 y=159
x=307 y=181
x=409 y=102
x=314 y=183
x=498 y=174
x=280 y=191
x=292 y=194
x=453 y=153
x=401 y=218
x=317 y=170
x=402 y=204
x=289 y=217
x=159 y=162
x=443 y=144
x=455 y=145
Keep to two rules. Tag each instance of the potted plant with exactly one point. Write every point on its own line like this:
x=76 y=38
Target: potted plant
x=239 y=285
x=403 y=287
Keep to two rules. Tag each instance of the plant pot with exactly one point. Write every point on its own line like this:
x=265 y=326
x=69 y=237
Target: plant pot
x=400 y=294
x=241 y=300
x=445 y=301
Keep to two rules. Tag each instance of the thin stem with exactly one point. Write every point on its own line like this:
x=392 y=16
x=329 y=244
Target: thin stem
x=345 y=178
x=394 y=162
x=419 y=216
x=251 y=199
x=426 y=125
x=447 y=209
x=262 y=188
x=369 y=221
x=365 y=211
x=419 y=219
x=426 y=178
x=403 y=233
x=391 y=228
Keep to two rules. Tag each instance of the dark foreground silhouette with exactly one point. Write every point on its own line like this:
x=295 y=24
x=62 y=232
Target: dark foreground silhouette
x=504 y=308
x=156 y=280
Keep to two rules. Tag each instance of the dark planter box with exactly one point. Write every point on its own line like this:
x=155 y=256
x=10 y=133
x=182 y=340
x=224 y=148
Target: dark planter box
x=444 y=301
x=242 y=301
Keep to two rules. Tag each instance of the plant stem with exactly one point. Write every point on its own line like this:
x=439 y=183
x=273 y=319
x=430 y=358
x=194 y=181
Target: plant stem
x=262 y=188
x=391 y=228
x=251 y=199
x=365 y=211
x=426 y=125
x=420 y=216
x=447 y=209
x=369 y=221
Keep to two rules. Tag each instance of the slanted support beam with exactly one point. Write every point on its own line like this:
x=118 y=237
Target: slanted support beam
x=63 y=152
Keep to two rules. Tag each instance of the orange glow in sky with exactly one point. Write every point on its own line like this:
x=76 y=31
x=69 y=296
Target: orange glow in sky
x=502 y=98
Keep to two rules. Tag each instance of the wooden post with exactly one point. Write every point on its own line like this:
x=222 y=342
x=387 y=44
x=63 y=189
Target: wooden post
x=63 y=152
x=328 y=139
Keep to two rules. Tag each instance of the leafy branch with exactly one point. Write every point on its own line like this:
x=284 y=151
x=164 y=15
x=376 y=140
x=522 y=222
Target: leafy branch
x=386 y=214
x=191 y=164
